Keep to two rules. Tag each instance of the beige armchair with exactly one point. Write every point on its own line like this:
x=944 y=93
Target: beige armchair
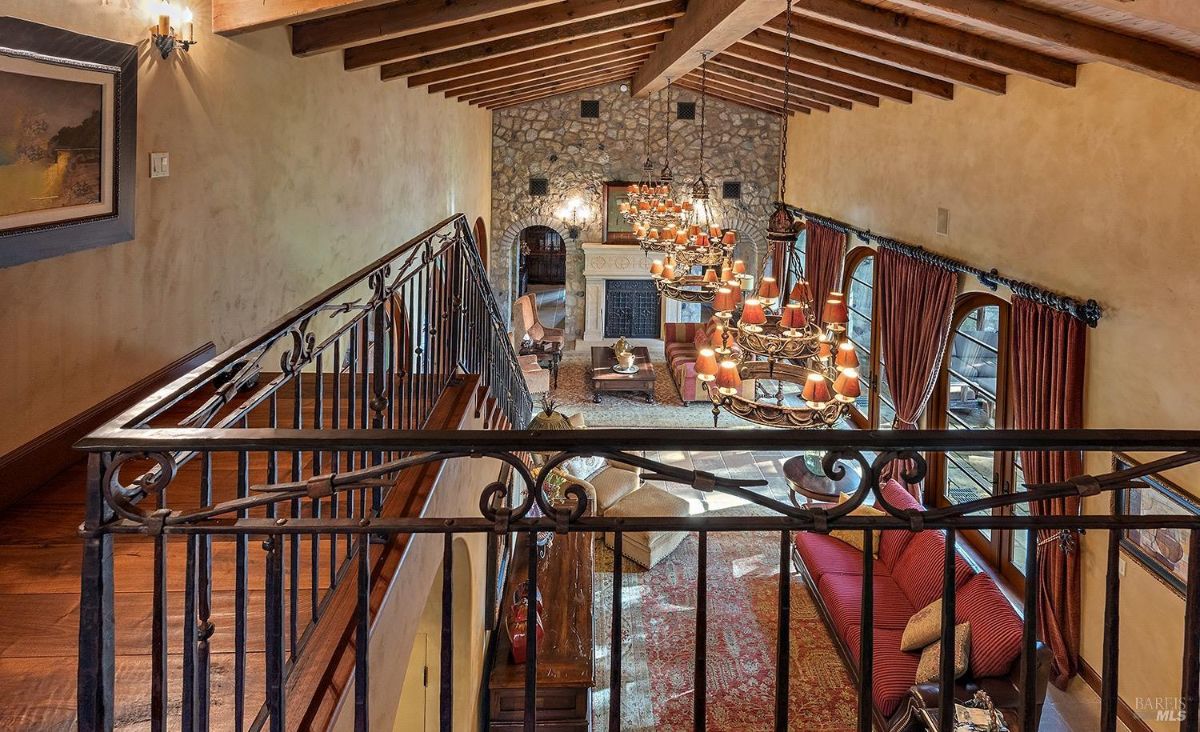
x=536 y=377
x=605 y=482
x=525 y=322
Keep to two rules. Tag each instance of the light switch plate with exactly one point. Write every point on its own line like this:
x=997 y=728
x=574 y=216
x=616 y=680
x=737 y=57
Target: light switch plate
x=943 y=221
x=160 y=165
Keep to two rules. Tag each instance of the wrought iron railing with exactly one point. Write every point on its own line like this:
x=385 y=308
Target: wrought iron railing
x=421 y=318
x=374 y=352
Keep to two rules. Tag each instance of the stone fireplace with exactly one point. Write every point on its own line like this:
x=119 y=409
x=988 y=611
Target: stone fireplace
x=613 y=300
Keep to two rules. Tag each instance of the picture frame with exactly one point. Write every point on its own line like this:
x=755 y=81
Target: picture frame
x=616 y=229
x=1163 y=552
x=68 y=141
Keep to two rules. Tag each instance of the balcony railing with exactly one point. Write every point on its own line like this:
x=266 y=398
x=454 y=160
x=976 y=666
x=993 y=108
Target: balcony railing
x=357 y=393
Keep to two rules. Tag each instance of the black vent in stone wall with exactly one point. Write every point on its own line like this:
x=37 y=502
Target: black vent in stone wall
x=539 y=186
x=685 y=110
x=631 y=309
x=731 y=189
x=589 y=109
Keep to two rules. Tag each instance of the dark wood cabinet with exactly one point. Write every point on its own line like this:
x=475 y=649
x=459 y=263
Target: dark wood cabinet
x=565 y=662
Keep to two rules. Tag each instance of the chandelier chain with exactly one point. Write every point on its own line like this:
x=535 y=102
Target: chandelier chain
x=703 y=104
x=787 y=98
x=667 y=121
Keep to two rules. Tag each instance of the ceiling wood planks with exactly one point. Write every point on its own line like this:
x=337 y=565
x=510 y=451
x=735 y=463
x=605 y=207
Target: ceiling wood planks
x=893 y=54
x=938 y=38
x=1149 y=57
x=501 y=53
x=534 y=40
x=520 y=25
x=728 y=64
x=519 y=61
x=773 y=59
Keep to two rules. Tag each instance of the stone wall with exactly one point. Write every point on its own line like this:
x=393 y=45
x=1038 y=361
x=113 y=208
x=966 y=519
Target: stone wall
x=548 y=139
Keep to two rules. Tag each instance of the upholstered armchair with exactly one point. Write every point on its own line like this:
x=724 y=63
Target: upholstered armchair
x=525 y=322
x=536 y=377
x=605 y=482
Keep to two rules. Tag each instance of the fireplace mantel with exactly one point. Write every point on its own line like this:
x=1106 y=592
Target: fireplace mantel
x=602 y=262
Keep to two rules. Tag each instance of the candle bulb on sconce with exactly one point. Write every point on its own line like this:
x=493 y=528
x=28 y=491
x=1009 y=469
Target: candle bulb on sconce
x=166 y=37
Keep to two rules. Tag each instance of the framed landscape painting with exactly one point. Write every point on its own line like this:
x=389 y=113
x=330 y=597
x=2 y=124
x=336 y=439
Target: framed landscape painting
x=1163 y=551
x=67 y=125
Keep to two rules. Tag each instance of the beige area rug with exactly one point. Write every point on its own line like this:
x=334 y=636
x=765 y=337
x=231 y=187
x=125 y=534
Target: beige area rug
x=618 y=409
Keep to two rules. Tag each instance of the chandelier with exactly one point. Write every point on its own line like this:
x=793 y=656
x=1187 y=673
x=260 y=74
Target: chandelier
x=651 y=207
x=697 y=252
x=769 y=360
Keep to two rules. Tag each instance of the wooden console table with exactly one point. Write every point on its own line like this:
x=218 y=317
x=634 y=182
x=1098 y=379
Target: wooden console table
x=565 y=673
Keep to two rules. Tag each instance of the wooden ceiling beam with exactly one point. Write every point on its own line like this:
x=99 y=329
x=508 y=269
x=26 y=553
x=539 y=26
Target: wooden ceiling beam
x=740 y=99
x=533 y=96
x=620 y=72
x=626 y=39
x=230 y=17
x=775 y=87
x=550 y=74
x=1138 y=54
x=540 y=39
x=718 y=85
x=396 y=19
x=771 y=59
x=709 y=25
x=728 y=64
x=513 y=25
x=842 y=61
x=923 y=34
x=892 y=54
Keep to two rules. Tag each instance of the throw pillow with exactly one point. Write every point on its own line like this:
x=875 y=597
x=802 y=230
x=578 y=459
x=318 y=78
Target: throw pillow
x=930 y=666
x=854 y=537
x=924 y=627
x=583 y=468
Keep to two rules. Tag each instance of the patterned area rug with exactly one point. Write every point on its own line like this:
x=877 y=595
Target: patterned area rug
x=574 y=395
x=658 y=624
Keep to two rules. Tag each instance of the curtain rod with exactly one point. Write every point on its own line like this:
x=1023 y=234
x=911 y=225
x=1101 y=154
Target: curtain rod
x=1089 y=312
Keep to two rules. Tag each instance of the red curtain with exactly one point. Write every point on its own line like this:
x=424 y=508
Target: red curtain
x=916 y=301
x=1048 y=349
x=823 y=259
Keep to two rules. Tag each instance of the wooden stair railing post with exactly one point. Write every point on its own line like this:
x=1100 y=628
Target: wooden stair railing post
x=97 y=658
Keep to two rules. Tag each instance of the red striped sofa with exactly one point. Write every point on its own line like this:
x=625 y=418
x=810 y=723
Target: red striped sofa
x=908 y=576
x=681 y=343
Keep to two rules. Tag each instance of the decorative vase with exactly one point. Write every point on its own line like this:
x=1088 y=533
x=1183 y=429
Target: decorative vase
x=621 y=346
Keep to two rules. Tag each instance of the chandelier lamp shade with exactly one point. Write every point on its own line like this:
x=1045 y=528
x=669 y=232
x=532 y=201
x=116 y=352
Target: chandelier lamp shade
x=791 y=371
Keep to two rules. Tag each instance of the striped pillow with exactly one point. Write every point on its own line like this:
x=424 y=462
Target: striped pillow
x=995 y=627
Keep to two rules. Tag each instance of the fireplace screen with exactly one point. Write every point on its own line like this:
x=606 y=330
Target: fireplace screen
x=631 y=309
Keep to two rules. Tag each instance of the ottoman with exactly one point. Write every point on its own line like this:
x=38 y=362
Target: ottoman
x=648 y=548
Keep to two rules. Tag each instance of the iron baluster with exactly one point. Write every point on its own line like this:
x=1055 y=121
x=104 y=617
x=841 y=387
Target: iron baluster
x=1112 y=634
x=783 y=633
x=946 y=669
x=273 y=624
x=362 y=637
x=1029 y=661
x=866 y=651
x=1190 y=695
x=700 y=681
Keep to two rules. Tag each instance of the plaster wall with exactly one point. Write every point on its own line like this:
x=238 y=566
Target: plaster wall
x=548 y=139
x=1090 y=191
x=286 y=175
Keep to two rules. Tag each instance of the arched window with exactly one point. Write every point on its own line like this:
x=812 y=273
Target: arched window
x=973 y=395
x=860 y=300
x=481 y=240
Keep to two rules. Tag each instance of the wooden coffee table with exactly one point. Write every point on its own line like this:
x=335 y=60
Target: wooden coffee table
x=605 y=379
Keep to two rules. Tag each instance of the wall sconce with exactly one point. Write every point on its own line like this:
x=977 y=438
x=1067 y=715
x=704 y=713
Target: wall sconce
x=167 y=37
x=575 y=215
